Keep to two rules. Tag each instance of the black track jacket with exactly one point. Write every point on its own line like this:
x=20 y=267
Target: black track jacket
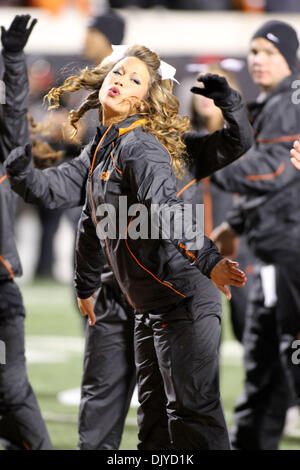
x=64 y=186
x=13 y=133
x=268 y=211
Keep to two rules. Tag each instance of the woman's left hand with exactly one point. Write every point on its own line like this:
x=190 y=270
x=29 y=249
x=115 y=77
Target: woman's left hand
x=295 y=154
x=227 y=272
x=86 y=307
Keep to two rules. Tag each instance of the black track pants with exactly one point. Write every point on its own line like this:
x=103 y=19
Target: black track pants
x=21 y=423
x=259 y=414
x=109 y=372
x=178 y=377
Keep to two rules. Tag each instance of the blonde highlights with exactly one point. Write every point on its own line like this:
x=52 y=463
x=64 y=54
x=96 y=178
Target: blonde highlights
x=159 y=108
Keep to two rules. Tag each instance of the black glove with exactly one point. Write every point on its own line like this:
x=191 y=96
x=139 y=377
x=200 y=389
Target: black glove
x=215 y=87
x=18 y=160
x=16 y=37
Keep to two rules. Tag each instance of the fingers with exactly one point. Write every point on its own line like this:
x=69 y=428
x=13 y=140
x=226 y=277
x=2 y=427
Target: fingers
x=295 y=154
x=236 y=283
x=198 y=91
x=225 y=290
x=92 y=318
x=31 y=26
x=86 y=307
x=296 y=145
x=296 y=163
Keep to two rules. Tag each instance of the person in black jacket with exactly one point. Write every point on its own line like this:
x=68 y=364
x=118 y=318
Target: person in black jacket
x=269 y=214
x=102 y=412
x=100 y=424
x=21 y=423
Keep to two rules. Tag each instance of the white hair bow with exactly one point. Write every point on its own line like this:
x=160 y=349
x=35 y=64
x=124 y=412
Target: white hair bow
x=166 y=71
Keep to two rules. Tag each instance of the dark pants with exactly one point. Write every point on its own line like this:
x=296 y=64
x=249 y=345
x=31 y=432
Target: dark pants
x=21 y=423
x=109 y=372
x=288 y=314
x=260 y=412
x=239 y=295
x=177 y=358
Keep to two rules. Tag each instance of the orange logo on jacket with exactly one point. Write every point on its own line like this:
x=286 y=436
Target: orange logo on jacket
x=105 y=175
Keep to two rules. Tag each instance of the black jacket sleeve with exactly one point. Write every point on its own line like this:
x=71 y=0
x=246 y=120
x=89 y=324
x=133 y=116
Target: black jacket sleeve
x=149 y=172
x=89 y=257
x=14 y=126
x=266 y=167
x=59 y=187
x=214 y=151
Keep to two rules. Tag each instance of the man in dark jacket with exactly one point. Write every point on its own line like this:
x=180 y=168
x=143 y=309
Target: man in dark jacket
x=269 y=214
x=103 y=412
x=21 y=423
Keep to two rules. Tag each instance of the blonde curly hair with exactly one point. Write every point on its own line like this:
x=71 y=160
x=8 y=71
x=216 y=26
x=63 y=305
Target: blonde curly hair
x=159 y=108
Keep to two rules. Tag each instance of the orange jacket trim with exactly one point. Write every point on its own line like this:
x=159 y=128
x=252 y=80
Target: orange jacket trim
x=93 y=205
x=186 y=187
x=123 y=130
x=95 y=153
x=284 y=138
x=7 y=267
x=267 y=176
x=115 y=167
x=143 y=267
x=3 y=178
x=187 y=251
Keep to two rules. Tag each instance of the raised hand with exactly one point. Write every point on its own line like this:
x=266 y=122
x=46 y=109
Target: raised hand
x=212 y=86
x=15 y=38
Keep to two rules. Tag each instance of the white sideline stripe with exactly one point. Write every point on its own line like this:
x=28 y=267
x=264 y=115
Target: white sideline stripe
x=53 y=349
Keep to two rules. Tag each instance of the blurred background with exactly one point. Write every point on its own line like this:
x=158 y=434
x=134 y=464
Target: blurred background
x=189 y=34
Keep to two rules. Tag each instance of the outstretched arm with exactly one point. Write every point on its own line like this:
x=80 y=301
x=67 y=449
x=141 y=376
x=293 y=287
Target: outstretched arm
x=15 y=107
x=214 y=151
x=58 y=187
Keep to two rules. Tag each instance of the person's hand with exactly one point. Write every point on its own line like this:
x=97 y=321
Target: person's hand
x=15 y=38
x=295 y=154
x=227 y=272
x=18 y=160
x=226 y=240
x=212 y=86
x=86 y=307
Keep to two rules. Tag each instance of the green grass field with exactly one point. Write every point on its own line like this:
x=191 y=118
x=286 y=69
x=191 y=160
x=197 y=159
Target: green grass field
x=54 y=343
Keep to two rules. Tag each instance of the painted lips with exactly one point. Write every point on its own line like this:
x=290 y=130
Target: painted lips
x=113 y=91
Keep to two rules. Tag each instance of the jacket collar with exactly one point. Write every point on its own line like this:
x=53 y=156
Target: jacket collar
x=106 y=135
x=117 y=130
